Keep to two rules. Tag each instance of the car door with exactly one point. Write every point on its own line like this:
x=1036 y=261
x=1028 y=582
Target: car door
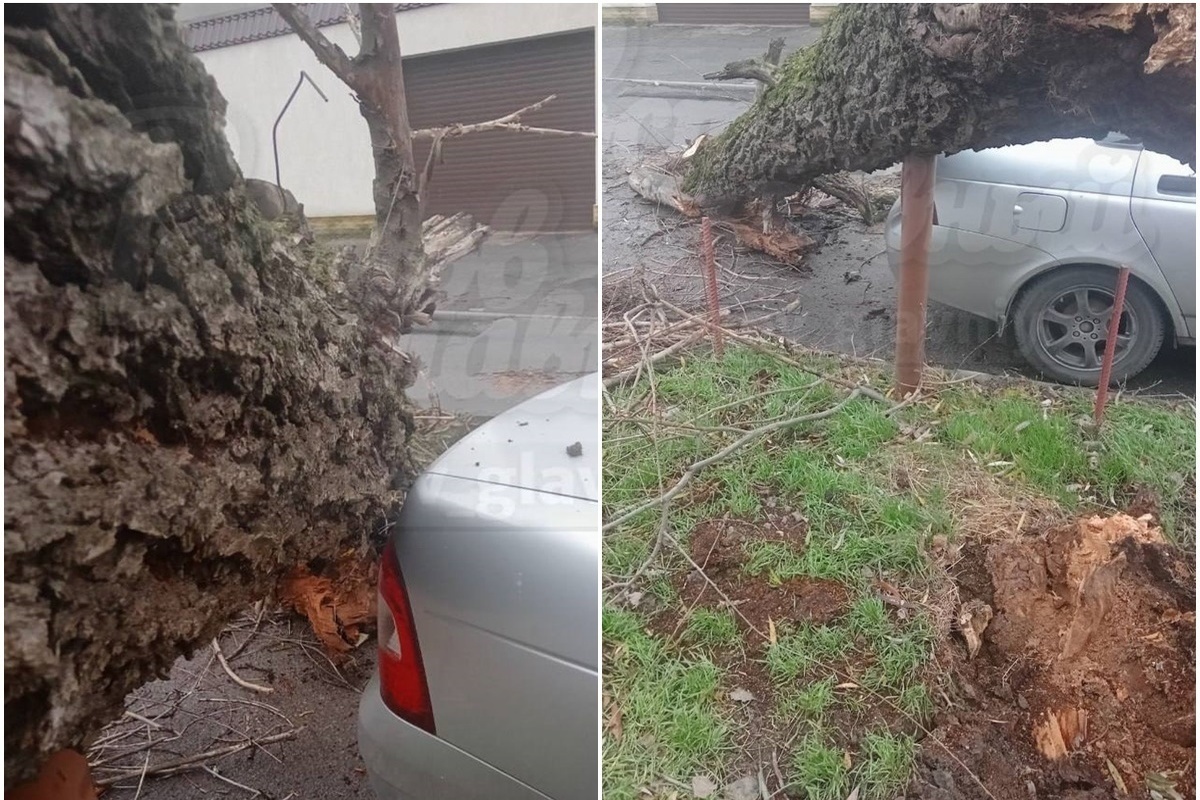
x=1163 y=207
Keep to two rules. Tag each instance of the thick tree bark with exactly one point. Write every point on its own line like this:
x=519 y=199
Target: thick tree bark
x=886 y=80
x=191 y=406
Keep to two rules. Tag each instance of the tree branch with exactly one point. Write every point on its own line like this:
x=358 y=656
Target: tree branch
x=352 y=21
x=761 y=69
x=328 y=53
x=749 y=436
x=509 y=122
x=753 y=68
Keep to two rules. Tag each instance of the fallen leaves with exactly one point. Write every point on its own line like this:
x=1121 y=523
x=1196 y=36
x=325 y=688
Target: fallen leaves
x=1161 y=786
x=339 y=603
x=613 y=718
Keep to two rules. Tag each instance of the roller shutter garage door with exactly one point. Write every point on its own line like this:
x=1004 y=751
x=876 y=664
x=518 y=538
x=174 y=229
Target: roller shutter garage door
x=520 y=182
x=733 y=13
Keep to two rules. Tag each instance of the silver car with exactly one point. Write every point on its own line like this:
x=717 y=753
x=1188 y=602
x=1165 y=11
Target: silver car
x=1031 y=236
x=488 y=615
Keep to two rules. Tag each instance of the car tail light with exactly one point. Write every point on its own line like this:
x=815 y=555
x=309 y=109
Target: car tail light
x=402 y=681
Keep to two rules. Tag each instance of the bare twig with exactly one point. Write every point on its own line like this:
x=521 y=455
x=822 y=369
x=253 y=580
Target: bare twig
x=262 y=607
x=236 y=679
x=142 y=778
x=615 y=590
x=197 y=760
x=243 y=701
x=696 y=468
x=353 y=21
x=212 y=771
x=509 y=122
x=146 y=720
x=758 y=346
x=621 y=377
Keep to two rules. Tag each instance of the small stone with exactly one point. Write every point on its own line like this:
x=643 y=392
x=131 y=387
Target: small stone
x=575 y=450
x=703 y=787
x=742 y=789
x=943 y=780
x=741 y=695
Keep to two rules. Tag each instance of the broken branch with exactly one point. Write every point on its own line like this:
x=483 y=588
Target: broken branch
x=699 y=466
x=752 y=68
x=328 y=53
x=759 y=69
x=509 y=122
x=245 y=684
x=197 y=760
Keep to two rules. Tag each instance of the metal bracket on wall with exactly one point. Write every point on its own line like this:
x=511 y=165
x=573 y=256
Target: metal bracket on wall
x=275 y=128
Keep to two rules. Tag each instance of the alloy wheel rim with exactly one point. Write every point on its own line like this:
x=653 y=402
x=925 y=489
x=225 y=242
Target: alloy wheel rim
x=1072 y=329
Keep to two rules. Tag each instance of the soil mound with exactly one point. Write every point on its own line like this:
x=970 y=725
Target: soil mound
x=1084 y=683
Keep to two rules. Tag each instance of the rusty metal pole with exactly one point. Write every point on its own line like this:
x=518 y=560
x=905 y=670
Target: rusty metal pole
x=1110 y=345
x=912 y=295
x=709 y=260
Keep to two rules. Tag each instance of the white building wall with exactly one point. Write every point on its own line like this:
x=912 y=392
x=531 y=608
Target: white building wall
x=324 y=149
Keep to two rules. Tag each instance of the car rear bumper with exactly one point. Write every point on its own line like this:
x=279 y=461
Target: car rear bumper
x=405 y=762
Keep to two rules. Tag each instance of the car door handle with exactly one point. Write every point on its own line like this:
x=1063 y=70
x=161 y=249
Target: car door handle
x=1177 y=184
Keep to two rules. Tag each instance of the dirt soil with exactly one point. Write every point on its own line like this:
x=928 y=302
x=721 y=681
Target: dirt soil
x=1096 y=638
x=1112 y=671
x=718 y=546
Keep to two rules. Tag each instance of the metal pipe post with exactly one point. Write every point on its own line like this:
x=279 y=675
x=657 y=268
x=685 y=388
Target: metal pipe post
x=912 y=294
x=1110 y=345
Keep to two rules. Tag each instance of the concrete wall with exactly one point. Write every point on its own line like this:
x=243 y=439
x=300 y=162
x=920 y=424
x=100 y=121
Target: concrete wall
x=324 y=150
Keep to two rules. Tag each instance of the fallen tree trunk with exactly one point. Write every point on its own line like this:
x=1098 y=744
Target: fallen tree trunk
x=192 y=406
x=886 y=80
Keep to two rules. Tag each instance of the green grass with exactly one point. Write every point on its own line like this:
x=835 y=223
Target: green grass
x=916 y=702
x=810 y=702
x=859 y=522
x=885 y=764
x=819 y=770
x=1140 y=444
x=670 y=719
x=777 y=560
x=809 y=647
x=711 y=629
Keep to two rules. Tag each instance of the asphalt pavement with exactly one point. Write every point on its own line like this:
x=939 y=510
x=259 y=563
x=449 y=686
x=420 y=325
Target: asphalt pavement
x=515 y=318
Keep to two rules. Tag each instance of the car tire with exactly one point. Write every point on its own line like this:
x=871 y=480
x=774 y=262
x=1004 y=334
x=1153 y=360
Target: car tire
x=1061 y=325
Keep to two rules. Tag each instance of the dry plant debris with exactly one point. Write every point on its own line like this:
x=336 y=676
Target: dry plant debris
x=339 y=603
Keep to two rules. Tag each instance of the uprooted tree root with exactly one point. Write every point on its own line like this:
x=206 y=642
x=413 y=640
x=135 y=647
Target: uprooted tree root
x=1084 y=684
x=759 y=224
